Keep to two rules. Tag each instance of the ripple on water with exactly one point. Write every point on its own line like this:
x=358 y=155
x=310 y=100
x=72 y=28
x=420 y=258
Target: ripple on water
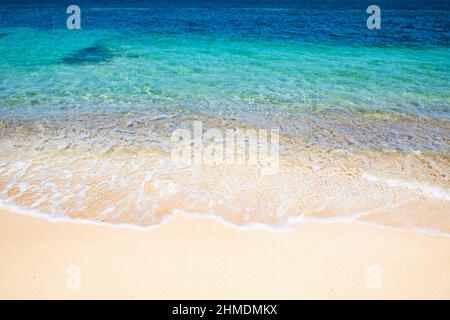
x=105 y=168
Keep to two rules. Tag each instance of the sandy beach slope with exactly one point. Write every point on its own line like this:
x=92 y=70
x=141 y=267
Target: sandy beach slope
x=201 y=258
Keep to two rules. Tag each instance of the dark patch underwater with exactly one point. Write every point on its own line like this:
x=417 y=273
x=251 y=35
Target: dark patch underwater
x=97 y=53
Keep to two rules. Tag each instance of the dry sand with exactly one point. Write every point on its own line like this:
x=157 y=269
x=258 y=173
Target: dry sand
x=201 y=258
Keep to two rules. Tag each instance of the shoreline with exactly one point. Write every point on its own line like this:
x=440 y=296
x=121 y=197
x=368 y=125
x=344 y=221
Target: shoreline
x=288 y=225
x=202 y=258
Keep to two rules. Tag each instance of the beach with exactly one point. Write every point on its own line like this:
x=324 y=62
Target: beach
x=202 y=258
x=229 y=150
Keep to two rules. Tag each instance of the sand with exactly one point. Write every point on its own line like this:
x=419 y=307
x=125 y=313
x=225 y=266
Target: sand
x=202 y=258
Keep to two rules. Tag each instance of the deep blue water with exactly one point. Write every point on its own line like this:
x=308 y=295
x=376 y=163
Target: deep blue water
x=333 y=21
x=225 y=56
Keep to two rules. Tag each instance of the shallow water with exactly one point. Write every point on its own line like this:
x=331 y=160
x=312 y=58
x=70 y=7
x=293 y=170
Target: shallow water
x=86 y=115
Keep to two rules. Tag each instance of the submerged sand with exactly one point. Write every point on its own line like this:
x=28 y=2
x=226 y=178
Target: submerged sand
x=201 y=258
x=118 y=169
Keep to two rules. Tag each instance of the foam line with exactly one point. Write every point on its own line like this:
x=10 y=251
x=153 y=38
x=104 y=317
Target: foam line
x=289 y=224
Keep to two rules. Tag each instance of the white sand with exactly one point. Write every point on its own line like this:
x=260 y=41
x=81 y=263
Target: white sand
x=200 y=258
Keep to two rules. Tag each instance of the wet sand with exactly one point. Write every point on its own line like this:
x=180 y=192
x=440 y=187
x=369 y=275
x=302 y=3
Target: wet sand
x=202 y=258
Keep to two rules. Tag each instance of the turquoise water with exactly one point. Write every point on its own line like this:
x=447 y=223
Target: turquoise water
x=254 y=62
x=80 y=71
x=76 y=71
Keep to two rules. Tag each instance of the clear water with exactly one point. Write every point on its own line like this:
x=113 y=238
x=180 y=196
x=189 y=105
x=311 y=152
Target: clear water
x=313 y=70
x=277 y=57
